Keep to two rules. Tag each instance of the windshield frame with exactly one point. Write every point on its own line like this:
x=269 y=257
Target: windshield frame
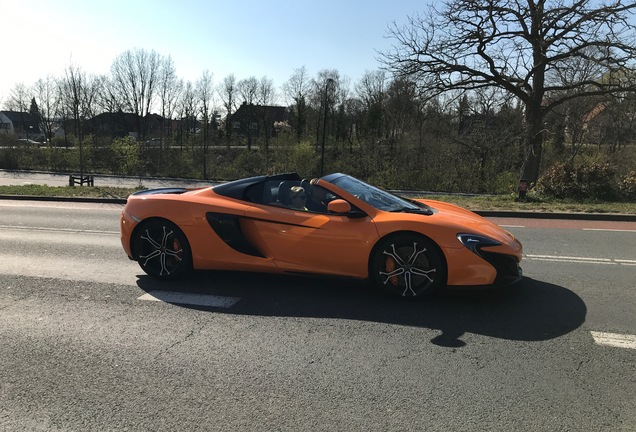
x=374 y=196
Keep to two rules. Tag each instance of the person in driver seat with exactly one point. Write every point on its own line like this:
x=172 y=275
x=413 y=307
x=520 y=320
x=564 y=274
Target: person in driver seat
x=297 y=198
x=318 y=199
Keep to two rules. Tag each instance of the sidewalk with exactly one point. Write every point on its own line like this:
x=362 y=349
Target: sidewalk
x=10 y=178
x=17 y=178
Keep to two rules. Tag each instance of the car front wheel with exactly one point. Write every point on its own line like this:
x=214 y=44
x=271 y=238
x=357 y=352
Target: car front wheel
x=162 y=250
x=408 y=265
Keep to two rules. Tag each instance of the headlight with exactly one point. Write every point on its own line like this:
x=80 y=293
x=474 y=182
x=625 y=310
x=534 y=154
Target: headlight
x=475 y=242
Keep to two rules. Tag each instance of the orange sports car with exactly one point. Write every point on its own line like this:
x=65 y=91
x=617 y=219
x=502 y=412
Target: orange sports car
x=334 y=225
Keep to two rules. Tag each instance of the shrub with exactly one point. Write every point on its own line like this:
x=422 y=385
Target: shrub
x=303 y=158
x=126 y=151
x=558 y=181
x=9 y=159
x=505 y=183
x=627 y=186
x=587 y=180
x=597 y=180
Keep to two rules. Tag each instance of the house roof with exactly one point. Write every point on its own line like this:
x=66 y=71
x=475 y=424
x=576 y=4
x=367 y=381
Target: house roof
x=20 y=117
x=275 y=113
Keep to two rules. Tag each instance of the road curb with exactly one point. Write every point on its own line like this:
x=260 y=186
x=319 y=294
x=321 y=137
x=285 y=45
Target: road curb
x=611 y=217
x=485 y=213
x=63 y=199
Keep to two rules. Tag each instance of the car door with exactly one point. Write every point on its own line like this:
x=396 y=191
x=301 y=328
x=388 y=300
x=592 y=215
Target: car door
x=307 y=242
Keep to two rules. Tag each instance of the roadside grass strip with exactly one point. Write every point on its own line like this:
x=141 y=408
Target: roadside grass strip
x=190 y=299
x=615 y=340
x=606 y=261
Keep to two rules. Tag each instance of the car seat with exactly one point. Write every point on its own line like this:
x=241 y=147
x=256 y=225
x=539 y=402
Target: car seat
x=284 y=190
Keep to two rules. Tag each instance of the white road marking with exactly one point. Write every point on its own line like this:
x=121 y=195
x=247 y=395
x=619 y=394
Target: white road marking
x=606 y=229
x=586 y=260
x=63 y=205
x=67 y=230
x=615 y=339
x=190 y=299
x=582 y=229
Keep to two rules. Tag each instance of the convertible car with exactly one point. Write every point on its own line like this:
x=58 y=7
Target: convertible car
x=334 y=225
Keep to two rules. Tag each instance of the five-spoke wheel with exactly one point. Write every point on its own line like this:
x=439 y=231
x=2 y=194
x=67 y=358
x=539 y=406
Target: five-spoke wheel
x=408 y=265
x=162 y=250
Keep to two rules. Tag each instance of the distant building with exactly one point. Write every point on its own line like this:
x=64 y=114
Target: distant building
x=258 y=120
x=20 y=125
x=121 y=124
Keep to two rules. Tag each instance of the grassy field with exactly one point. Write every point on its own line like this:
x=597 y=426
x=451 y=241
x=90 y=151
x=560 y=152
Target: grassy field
x=488 y=202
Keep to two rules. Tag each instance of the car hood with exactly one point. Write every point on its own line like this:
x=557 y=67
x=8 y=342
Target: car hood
x=467 y=221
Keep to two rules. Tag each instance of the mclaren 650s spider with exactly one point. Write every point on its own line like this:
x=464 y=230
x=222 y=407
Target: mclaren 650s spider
x=335 y=225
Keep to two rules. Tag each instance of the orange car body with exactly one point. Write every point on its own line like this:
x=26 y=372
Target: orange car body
x=230 y=231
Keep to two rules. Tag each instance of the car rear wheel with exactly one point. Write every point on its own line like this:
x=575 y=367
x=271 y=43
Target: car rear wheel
x=162 y=250
x=408 y=265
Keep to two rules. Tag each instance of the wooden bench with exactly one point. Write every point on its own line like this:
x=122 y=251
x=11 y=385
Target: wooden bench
x=81 y=180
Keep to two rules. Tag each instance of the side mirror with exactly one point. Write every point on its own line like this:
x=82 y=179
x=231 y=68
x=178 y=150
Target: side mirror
x=339 y=206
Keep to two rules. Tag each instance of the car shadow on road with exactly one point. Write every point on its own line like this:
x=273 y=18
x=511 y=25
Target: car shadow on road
x=531 y=310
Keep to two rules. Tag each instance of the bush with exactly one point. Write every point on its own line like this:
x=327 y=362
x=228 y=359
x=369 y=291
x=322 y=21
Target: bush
x=303 y=158
x=126 y=151
x=505 y=183
x=627 y=186
x=251 y=162
x=587 y=180
x=9 y=159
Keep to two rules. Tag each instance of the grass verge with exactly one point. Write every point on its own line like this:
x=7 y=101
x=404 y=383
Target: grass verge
x=479 y=202
x=67 y=191
x=536 y=204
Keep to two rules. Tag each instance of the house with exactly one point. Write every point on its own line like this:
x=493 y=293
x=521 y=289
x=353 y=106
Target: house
x=254 y=120
x=121 y=124
x=20 y=124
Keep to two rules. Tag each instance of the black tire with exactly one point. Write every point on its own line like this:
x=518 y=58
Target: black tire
x=162 y=250
x=408 y=266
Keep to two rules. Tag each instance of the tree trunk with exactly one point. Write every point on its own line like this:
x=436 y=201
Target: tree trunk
x=534 y=146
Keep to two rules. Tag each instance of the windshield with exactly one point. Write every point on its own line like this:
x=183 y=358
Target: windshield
x=378 y=198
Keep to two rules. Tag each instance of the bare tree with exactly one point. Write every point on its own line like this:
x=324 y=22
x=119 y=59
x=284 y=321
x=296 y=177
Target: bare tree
x=91 y=98
x=72 y=89
x=517 y=45
x=485 y=129
x=266 y=91
x=47 y=97
x=107 y=100
x=227 y=92
x=403 y=108
x=248 y=90
x=204 y=90
x=327 y=91
x=372 y=90
x=266 y=98
x=19 y=98
x=187 y=112
x=296 y=90
x=135 y=75
x=169 y=89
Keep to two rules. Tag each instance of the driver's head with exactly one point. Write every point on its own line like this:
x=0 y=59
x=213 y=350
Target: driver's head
x=297 y=195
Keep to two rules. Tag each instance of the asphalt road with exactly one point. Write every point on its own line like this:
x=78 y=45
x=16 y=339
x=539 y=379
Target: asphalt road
x=89 y=343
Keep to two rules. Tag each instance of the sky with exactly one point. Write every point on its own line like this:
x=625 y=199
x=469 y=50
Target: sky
x=247 y=38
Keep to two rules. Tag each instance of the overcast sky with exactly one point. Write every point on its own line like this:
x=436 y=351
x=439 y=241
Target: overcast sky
x=247 y=37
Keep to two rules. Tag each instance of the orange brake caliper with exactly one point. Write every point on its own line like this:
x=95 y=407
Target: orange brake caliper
x=390 y=266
